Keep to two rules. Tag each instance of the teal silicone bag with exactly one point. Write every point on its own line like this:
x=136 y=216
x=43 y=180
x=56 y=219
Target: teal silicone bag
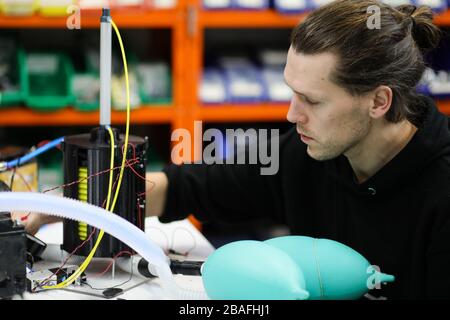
x=331 y=269
x=248 y=270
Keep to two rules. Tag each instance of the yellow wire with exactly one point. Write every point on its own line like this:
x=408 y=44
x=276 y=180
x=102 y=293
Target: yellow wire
x=124 y=58
x=81 y=269
x=110 y=186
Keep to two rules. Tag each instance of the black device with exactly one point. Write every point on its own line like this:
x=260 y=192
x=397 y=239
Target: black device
x=112 y=292
x=35 y=248
x=86 y=155
x=13 y=253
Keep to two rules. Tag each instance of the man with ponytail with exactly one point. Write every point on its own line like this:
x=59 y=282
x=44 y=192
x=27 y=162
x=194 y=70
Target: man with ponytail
x=367 y=162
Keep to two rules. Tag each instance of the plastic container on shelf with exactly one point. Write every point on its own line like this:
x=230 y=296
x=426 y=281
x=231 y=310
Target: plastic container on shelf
x=272 y=57
x=250 y=4
x=162 y=4
x=92 y=4
x=54 y=8
x=13 y=73
x=292 y=6
x=216 y=4
x=395 y=3
x=314 y=4
x=436 y=5
x=273 y=63
x=86 y=90
x=155 y=83
x=49 y=81
x=439 y=87
x=276 y=88
x=118 y=91
x=128 y=4
x=435 y=84
x=212 y=89
x=18 y=7
x=243 y=79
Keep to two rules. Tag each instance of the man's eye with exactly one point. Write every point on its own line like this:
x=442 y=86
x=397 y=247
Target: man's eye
x=311 y=102
x=306 y=100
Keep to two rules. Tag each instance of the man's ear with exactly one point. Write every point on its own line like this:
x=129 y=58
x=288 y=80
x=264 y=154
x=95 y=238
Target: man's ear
x=381 y=101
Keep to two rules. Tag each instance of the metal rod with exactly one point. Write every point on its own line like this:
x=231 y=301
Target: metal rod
x=105 y=68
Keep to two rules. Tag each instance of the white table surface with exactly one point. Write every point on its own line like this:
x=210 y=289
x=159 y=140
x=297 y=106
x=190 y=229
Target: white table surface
x=180 y=236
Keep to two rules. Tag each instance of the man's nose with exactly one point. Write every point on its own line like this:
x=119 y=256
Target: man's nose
x=297 y=112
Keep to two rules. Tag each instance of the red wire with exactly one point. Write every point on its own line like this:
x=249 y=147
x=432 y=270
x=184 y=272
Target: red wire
x=24 y=181
x=134 y=161
x=42 y=143
x=110 y=264
x=68 y=257
x=78 y=247
x=129 y=163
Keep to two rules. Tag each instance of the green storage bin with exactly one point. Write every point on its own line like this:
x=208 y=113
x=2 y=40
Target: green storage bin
x=86 y=91
x=15 y=74
x=155 y=83
x=49 y=81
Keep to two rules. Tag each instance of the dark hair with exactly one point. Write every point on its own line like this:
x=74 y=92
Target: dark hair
x=392 y=55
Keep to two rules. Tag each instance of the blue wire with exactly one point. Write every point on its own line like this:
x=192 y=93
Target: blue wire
x=34 y=153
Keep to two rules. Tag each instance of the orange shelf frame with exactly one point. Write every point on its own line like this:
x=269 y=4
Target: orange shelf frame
x=133 y=18
x=21 y=116
x=187 y=64
x=443 y=19
x=91 y=19
x=268 y=19
x=248 y=19
x=262 y=112
x=444 y=106
x=244 y=112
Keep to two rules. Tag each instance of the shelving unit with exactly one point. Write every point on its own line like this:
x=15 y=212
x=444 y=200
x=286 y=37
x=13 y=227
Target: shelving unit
x=90 y=19
x=187 y=22
x=247 y=19
x=241 y=113
x=21 y=116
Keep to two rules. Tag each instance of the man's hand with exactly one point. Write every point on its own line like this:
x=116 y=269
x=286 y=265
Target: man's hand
x=158 y=185
x=34 y=221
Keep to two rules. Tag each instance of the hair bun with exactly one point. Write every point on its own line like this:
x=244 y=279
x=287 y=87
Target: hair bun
x=425 y=33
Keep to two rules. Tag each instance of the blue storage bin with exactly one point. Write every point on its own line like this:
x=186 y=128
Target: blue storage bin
x=314 y=4
x=213 y=86
x=244 y=85
x=250 y=4
x=243 y=80
x=216 y=4
x=292 y=6
x=436 y=5
x=274 y=86
x=435 y=84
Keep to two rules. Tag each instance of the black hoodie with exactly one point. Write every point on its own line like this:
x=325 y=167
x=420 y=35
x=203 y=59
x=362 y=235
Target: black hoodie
x=399 y=219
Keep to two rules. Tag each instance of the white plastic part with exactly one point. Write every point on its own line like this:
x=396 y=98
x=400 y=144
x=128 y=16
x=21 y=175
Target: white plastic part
x=105 y=73
x=101 y=219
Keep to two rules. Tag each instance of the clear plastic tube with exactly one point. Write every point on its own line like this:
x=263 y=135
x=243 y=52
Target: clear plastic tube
x=101 y=219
